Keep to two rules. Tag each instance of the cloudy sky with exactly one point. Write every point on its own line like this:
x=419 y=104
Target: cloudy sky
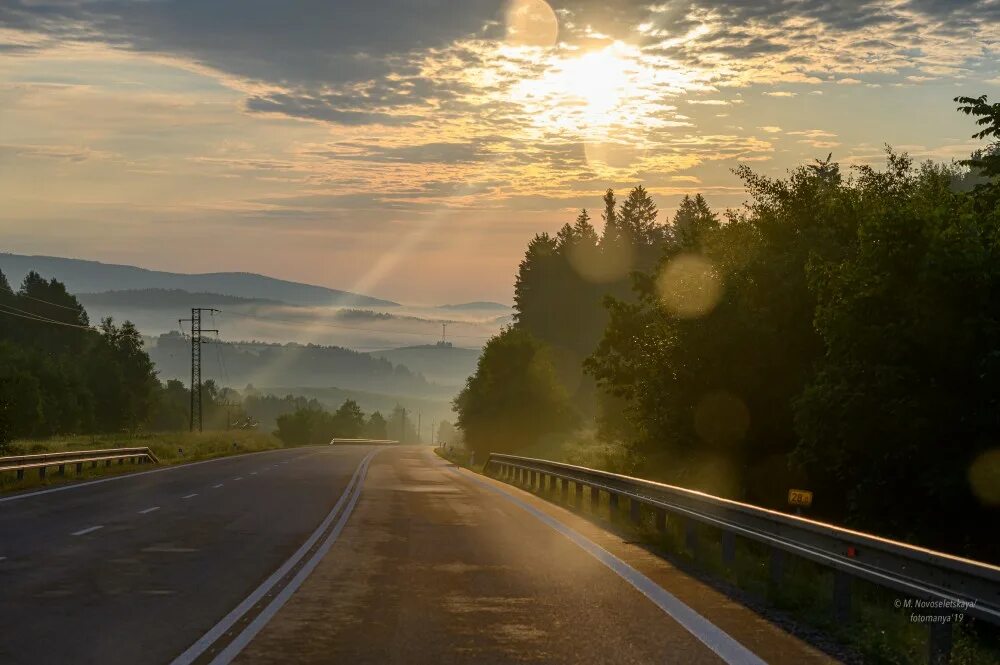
x=409 y=149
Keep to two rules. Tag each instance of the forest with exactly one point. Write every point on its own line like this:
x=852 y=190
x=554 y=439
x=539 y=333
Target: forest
x=839 y=333
x=61 y=376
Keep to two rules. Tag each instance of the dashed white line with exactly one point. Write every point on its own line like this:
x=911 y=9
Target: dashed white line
x=215 y=487
x=149 y=510
x=253 y=473
x=89 y=529
x=239 y=478
x=190 y=496
x=3 y=558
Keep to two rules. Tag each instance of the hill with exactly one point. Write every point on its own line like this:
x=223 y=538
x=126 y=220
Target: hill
x=479 y=305
x=305 y=365
x=173 y=299
x=81 y=276
x=441 y=363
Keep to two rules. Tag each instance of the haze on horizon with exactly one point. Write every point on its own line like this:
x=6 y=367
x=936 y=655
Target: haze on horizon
x=410 y=150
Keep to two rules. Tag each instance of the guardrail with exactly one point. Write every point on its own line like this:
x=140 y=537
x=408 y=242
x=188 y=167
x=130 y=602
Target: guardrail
x=937 y=584
x=368 y=441
x=44 y=461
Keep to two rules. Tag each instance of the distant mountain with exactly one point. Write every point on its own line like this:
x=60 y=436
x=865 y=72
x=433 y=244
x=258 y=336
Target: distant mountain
x=172 y=299
x=239 y=363
x=477 y=305
x=441 y=362
x=82 y=276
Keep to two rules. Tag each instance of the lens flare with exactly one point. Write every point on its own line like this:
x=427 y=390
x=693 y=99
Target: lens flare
x=984 y=477
x=531 y=23
x=689 y=286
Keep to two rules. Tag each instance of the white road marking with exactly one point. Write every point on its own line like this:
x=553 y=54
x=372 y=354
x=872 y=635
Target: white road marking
x=253 y=473
x=190 y=496
x=3 y=558
x=727 y=648
x=89 y=529
x=215 y=487
x=240 y=478
x=149 y=510
x=350 y=496
x=126 y=476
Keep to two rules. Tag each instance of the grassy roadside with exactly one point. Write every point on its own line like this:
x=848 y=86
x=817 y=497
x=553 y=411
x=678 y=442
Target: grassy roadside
x=169 y=447
x=878 y=632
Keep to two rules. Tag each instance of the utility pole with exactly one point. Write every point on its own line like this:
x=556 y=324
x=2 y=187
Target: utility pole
x=444 y=333
x=402 y=427
x=196 y=342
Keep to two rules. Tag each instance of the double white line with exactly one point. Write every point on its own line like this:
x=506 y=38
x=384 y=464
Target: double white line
x=289 y=577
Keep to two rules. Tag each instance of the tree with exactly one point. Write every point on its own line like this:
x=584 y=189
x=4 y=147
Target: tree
x=376 y=426
x=513 y=400
x=348 y=421
x=985 y=163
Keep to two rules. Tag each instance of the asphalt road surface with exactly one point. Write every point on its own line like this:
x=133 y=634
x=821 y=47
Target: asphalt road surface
x=347 y=554
x=136 y=569
x=438 y=565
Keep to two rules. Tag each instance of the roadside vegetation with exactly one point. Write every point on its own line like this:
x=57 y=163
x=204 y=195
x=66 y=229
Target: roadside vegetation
x=169 y=448
x=838 y=333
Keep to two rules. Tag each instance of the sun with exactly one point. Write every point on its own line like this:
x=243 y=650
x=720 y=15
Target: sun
x=589 y=93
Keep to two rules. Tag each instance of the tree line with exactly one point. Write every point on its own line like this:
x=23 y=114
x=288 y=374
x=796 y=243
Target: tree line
x=59 y=376
x=840 y=332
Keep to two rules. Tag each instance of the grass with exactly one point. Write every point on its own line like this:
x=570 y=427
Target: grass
x=169 y=448
x=877 y=633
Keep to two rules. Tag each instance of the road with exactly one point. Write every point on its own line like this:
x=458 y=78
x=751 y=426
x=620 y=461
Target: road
x=438 y=565
x=136 y=569
x=387 y=555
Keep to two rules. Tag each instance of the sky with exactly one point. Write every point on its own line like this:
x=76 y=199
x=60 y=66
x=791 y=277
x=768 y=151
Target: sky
x=410 y=149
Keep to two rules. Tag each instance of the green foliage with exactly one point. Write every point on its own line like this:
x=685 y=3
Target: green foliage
x=905 y=396
x=514 y=398
x=58 y=376
x=376 y=427
x=985 y=163
x=313 y=425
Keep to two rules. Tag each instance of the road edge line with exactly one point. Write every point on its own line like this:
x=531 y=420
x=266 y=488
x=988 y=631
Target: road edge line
x=202 y=644
x=240 y=642
x=721 y=643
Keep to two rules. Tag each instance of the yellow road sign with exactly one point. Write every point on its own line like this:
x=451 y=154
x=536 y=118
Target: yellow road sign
x=800 y=498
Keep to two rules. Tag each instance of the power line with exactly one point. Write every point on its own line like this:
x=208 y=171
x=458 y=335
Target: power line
x=54 y=304
x=30 y=316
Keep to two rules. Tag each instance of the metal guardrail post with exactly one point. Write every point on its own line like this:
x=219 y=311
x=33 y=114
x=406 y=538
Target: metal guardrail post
x=728 y=548
x=579 y=495
x=79 y=468
x=62 y=470
x=842 y=583
x=777 y=567
x=661 y=520
x=595 y=499
x=613 y=506
x=635 y=511
x=939 y=643
x=564 y=490
x=691 y=536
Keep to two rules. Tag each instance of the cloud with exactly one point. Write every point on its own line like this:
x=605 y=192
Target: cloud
x=770 y=129
x=781 y=93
